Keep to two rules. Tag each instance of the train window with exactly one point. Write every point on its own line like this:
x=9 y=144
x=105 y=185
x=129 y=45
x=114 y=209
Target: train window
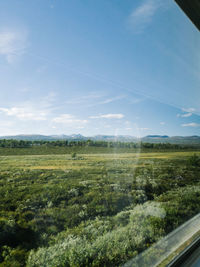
x=99 y=132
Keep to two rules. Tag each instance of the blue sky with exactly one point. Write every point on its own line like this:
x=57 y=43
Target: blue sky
x=98 y=67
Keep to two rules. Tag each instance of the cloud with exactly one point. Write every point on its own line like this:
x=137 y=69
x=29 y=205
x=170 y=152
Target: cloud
x=110 y=100
x=108 y=116
x=48 y=100
x=143 y=129
x=135 y=100
x=24 y=113
x=186 y=115
x=143 y=14
x=93 y=99
x=191 y=124
x=12 y=44
x=83 y=99
x=162 y=123
x=31 y=110
x=68 y=119
x=190 y=110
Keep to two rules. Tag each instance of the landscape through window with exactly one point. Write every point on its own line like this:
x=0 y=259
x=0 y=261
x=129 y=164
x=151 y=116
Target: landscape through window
x=99 y=129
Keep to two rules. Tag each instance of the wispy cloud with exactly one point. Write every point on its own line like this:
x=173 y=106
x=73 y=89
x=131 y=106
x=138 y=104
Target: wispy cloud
x=110 y=100
x=186 y=115
x=12 y=44
x=162 y=123
x=189 y=112
x=143 y=14
x=143 y=129
x=93 y=99
x=135 y=100
x=108 y=116
x=24 y=113
x=31 y=110
x=191 y=124
x=83 y=99
x=68 y=119
x=48 y=100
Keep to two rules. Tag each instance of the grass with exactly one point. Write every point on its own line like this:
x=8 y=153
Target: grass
x=86 y=160
x=49 y=200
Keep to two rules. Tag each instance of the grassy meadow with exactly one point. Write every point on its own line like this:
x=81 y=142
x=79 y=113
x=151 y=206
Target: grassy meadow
x=92 y=209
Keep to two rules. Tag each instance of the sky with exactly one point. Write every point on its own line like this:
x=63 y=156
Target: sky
x=94 y=67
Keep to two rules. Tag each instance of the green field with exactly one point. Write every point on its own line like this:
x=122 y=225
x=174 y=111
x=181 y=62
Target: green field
x=94 y=209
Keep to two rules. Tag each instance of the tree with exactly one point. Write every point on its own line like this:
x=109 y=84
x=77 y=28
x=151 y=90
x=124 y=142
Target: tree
x=74 y=155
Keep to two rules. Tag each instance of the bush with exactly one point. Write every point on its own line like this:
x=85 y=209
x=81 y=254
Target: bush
x=74 y=155
x=194 y=161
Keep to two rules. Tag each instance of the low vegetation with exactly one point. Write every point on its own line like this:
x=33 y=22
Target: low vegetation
x=92 y=209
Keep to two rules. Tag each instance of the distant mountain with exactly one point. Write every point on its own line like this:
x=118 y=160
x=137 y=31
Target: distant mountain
x=38 y=137
x=31 y=137
x=157 y=136
x=122 y=138
x=192 y=140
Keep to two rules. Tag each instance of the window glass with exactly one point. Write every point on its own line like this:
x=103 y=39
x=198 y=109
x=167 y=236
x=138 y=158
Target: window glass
x=99 y=129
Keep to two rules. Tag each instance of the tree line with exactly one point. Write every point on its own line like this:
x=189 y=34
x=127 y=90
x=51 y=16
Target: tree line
x=12 y=143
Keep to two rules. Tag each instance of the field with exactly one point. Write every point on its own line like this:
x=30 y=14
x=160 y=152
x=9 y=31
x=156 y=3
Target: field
x=94 y=209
